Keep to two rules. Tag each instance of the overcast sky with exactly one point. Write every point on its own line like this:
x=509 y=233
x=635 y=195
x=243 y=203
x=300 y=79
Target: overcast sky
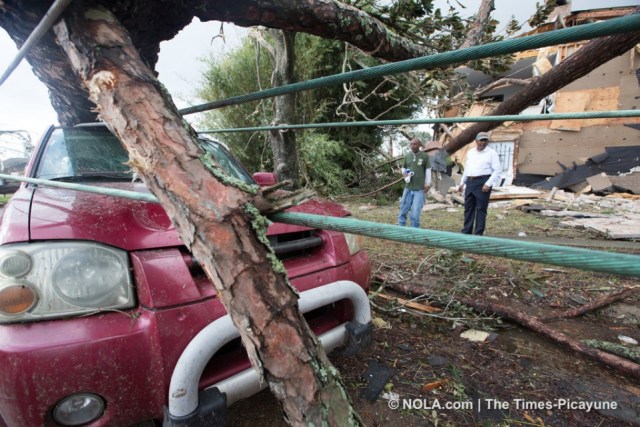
x=24 y=102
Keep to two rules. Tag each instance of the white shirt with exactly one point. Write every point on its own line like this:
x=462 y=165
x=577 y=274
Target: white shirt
x=479 y=163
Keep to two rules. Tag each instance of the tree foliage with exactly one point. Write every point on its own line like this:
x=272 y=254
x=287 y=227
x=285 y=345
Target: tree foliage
x=344 y=152
x=542 y=12
x=328 y=157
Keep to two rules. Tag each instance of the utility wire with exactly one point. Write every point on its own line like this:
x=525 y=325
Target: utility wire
x=619 y=25
x=585 y=259
x=506 y=118
x=41 y=29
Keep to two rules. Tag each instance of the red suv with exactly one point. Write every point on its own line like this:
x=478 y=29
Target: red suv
x=107 y=319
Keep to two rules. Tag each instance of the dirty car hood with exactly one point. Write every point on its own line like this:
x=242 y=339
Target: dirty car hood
x=58 y=214
x=127 y=224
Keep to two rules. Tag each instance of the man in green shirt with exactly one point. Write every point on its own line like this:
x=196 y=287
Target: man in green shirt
x=416 y=170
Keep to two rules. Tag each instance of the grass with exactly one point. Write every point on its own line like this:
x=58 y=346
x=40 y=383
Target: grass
x=500 y=221
x=445 y=273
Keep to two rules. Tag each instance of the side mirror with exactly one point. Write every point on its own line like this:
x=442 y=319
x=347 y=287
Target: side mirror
x=265 y=179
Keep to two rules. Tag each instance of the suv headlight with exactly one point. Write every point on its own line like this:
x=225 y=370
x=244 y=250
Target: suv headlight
x=354 y=242
x=59 y=279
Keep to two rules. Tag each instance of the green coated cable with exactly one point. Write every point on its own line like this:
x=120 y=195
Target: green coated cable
x=585 y=259
x=581 y=32
x=505 y=118
x=133 y=195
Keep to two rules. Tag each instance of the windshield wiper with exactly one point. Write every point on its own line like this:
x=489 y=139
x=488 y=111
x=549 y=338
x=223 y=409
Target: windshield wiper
x=95 y=177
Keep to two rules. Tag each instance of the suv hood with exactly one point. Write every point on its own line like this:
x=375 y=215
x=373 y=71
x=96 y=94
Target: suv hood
x=58 y=214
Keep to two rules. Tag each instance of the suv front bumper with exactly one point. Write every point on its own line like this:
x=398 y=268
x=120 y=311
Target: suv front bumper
x=185 y=407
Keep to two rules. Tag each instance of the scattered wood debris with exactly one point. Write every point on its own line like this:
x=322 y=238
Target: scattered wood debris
x=475 y=335
x=434 y=207
x=509 y=192
x=433 y=385
x=620 y=222
x=535 y=324
x=410 y=304
x=571 y=214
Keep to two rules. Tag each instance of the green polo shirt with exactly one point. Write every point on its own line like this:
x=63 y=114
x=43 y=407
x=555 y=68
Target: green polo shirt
x=418 y=163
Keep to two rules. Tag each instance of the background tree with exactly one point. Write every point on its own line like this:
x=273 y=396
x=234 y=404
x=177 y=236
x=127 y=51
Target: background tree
x=283 y=143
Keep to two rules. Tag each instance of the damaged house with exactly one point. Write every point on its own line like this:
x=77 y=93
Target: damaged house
x=570 y=151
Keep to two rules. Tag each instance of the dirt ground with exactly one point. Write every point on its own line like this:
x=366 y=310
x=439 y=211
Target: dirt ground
x=428 y=374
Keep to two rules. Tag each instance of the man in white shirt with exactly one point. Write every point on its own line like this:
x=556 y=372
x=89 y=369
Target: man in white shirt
x=481 y=173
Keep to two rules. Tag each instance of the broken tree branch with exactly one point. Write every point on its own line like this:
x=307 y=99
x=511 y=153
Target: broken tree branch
x=595 y=53
x=534 y=324
x=370 y=193
x=593 y=305
x=282 y=200
x=631 y=353
x=500 y=83
x=477 y=27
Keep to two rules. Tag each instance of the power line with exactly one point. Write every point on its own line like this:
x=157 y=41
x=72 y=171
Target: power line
x=619 y=25
x=506 y=118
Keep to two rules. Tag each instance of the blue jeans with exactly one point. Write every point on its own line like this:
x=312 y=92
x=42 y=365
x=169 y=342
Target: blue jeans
x=412 y=201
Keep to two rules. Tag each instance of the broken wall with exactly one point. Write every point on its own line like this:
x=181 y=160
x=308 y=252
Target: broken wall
x=612 y=86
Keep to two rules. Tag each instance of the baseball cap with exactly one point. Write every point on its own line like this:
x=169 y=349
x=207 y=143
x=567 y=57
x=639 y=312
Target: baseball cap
x=482 y=135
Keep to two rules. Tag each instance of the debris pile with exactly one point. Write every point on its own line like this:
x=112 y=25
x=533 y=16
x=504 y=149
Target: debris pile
x=615 y=170
x=614 y=215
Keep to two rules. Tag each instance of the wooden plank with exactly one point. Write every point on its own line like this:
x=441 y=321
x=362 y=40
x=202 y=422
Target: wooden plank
x=630 y=89
x=542 y=65
x=575 y=101
x=410 y=304
x=498 y=196
x=499 y=135
x=602 y=99
x=598 y=99
x=602 y=14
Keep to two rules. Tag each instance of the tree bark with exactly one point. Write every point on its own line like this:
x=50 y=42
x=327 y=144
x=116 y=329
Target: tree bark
x=324 y=18
x=216 y=220
x=477 y=28
x=283 y=142
x=587 y=58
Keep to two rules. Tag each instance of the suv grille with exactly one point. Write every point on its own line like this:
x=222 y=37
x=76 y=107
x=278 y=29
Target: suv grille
x=294 y=244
